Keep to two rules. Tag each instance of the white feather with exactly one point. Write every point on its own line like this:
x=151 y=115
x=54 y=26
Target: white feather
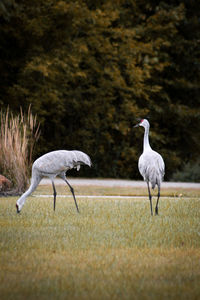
x=53 y=164
x=56 y=162
x=151 y=165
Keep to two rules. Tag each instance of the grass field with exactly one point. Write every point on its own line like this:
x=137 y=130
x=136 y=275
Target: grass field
x=113 y=249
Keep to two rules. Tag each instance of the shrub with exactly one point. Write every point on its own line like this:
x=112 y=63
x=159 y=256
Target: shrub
x=189 y=173
x=18 y=136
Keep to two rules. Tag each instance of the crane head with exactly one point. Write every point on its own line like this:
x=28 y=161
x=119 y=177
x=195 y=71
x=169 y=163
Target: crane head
x=139 y=124
x=143 y=122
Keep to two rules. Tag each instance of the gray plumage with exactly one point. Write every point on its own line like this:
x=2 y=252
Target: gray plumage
x=151 y=165
x=52 y=164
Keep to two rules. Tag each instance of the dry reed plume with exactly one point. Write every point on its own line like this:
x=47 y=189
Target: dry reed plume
x=18 y=136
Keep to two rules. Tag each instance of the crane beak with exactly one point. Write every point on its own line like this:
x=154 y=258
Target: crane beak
x=17 y=207
x=137 y=125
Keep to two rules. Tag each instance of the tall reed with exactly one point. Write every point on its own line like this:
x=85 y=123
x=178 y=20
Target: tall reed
x=18 y=135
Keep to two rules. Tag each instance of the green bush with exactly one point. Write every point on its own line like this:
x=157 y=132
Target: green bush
x=189 y=173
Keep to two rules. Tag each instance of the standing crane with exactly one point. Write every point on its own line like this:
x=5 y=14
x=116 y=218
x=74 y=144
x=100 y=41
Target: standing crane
x=151 y=165
x=53 y=164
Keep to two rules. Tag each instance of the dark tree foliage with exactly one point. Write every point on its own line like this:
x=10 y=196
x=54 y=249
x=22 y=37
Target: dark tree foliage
x=89 y=69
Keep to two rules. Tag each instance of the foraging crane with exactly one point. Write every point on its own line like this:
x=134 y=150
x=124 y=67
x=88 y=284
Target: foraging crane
x=151 y=165
x=53 y=164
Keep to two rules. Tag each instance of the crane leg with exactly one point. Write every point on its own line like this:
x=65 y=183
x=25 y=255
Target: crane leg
x=72 y=191
x=54 y=194
x=150 y=198
x=156 y=209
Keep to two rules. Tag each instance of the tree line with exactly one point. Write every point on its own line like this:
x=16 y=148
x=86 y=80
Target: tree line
x=90 y=69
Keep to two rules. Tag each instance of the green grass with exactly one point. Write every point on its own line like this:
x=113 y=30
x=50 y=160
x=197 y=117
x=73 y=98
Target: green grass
x=123 y=191
x=113 y=249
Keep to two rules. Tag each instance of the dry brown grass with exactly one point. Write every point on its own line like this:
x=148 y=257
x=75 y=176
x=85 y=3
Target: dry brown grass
x=18 y=135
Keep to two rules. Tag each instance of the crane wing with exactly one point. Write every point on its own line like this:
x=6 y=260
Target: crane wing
x=151 y=167
x=55 y=162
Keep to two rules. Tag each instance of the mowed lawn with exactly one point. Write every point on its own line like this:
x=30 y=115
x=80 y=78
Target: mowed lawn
x=113 y=249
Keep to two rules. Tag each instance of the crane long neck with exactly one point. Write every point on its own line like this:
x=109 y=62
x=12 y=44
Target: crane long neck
x=146 y=144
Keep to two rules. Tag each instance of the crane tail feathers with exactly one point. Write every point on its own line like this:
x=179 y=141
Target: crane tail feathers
x=82 y=158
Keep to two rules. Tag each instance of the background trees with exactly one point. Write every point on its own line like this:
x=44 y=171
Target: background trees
x=91 y=68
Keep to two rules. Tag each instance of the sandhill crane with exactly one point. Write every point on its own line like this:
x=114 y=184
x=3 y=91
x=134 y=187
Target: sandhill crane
x=53 y=164
x=151 y=165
